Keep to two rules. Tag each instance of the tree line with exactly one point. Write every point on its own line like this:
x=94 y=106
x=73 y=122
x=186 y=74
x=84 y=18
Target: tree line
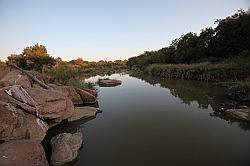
x=229 y=39
x=37 y=58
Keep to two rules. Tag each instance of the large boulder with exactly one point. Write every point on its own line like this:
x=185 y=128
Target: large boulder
x=36 y=128
x=23 y=153
x=65 y=148
x=69 y=111
x=70 y=92
x=44 y=103
x=51 y=104
x=11 y=122
x=84 y=113
x=76 y=95
x=16 y=124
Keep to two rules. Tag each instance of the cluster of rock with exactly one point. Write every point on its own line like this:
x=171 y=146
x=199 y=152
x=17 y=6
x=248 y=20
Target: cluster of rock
x=26 y=106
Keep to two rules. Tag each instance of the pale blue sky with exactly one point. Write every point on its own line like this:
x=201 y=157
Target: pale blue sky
x=104 y=29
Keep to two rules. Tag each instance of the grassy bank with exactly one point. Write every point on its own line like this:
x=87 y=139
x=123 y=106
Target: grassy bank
x=219 y=54
x=66 y=75
x=201 y=72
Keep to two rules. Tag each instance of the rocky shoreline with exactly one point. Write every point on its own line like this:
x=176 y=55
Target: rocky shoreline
x=29 y=107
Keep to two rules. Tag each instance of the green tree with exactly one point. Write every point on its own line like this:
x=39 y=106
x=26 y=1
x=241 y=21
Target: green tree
x=32 y=58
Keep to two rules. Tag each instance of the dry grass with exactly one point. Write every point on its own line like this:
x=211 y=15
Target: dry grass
x=201 y=72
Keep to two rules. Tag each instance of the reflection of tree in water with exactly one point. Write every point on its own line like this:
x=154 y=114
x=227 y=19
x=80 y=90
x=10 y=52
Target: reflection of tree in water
x=205 y=94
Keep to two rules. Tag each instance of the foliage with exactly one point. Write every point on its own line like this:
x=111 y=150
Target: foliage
x=231 y=38
x=60 y=74
x=237 y=90
x=32 y=58
x=201 y=71
x=64 y=75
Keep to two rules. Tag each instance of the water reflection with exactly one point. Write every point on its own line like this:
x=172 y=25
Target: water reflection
x=169 y=123
x=205 y=94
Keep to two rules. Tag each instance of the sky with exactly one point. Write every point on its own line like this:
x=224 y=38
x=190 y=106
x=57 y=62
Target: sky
x=104 y=29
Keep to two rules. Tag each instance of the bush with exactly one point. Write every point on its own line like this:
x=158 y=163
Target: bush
x=201 y=72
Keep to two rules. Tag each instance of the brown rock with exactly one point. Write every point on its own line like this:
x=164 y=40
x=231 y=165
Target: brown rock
x=36 y=128
x=15 y=124
x=22 y=153
x=65 y=148
x=20 y=94
x=69 y=111
x=109 y=82
x=86 y=96
x=83 y=113
x=12 y=122
x=43 y=103
x=15 y=77
x=70 y=92
x=78 y=96
x=91 y=91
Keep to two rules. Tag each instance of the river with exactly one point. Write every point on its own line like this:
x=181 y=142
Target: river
x=167 y=123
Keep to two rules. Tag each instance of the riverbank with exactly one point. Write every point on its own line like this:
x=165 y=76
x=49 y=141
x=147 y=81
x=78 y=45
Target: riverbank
x=234 y=77
x=29 y=108
x=218 y=55
x=208 y=72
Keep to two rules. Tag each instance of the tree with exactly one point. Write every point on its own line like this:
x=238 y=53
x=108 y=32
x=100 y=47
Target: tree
x=19 y=60
x=32 y=58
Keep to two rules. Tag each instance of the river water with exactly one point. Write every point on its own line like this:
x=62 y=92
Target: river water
x=167 y=123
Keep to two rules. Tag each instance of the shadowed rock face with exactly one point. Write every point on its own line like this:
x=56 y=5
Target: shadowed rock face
x=65 y=148
x=109 y=82
x=22 y=152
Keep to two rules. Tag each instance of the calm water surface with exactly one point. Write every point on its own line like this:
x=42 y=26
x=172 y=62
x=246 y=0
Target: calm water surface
x=145 y=124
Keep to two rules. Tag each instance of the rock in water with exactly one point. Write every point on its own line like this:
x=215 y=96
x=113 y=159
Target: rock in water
x=240 y=114
x=109 y=82
x=23 y=153
x=65 y=148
